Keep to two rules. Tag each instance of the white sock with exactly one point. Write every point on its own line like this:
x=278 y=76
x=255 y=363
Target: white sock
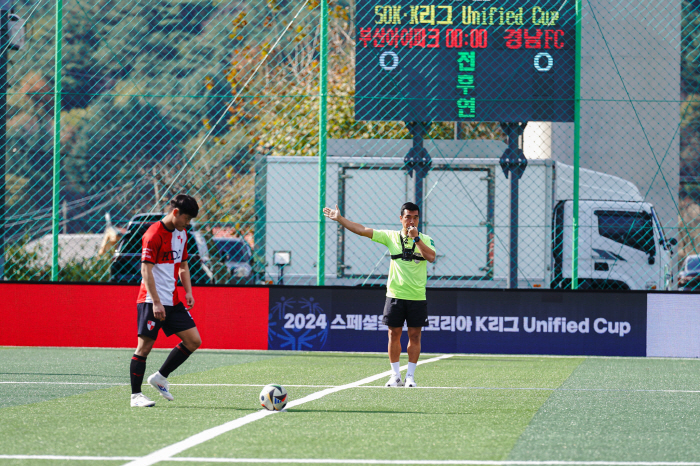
x=411 y=369
x=396 y=367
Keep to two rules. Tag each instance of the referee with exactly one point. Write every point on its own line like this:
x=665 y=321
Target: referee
x=405 y=291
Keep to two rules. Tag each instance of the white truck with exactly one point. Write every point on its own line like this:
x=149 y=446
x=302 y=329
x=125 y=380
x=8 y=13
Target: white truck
x=466 y=209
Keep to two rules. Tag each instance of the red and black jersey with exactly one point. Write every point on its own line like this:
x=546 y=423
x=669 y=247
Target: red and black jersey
x=165 y=249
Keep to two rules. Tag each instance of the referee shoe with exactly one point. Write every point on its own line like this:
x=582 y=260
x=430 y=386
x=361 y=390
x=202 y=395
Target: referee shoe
x=410 y=382
x=160 y=383
x=394 y=381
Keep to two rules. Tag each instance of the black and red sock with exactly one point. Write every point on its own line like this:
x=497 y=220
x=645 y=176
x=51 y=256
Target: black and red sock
x=137 y=370
x=177 y=356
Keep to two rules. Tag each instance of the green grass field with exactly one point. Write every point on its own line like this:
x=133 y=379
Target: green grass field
x=71 y=406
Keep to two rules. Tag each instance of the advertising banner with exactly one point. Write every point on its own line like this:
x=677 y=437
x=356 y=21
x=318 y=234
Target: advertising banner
x=673 y=325
x=100 y=315
x=464 y=321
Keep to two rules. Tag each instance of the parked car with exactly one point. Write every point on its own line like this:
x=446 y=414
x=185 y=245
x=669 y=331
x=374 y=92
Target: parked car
x=689 y=276
x=126 y=262
x=238 y=256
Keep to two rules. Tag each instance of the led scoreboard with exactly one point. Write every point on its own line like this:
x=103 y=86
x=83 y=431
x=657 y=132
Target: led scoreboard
x=488 y=60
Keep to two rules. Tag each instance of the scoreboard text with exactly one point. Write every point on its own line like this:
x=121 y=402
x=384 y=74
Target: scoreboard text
x=499 y=60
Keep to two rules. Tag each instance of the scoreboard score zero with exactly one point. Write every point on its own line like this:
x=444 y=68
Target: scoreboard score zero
x=488 y=60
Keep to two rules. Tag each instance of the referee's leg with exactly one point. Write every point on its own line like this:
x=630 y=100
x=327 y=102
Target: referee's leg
x=413 y=349
x=394 y=344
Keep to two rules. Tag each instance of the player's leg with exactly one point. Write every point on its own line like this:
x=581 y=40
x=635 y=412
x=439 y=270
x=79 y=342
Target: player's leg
x=178 y=321
x=393 y=318
x=417 y=317
x=148 y=328
x=190 y=342
x=191 y=339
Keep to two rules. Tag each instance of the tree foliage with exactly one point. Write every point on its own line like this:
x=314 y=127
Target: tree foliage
x=164 y=86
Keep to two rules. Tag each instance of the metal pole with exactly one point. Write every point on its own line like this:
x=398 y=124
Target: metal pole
x=259 y=262
x=419 y=192
x=322 y=134
x=514 y=224
x=56 y=211
x=4 y=42
x=419 y=160
x=577 y=148
x=513 y=162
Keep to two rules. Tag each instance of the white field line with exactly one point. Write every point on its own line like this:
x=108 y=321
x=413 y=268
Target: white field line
x=181 y=459
x=374 y=386
x=471 y=462
x=168 y=452
x=122 y=384
x=61 y=383
x=66 y=458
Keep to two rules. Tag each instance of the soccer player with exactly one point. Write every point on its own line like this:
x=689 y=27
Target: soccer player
x=163 y=260
x=405 y=291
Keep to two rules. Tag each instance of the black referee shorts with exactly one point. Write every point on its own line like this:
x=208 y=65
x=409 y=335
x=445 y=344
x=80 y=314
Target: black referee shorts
x=177 y=319
x=397 y=311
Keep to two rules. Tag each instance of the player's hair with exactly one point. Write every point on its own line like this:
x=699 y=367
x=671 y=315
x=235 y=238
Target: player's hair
x=185 y=204
x=410 y=206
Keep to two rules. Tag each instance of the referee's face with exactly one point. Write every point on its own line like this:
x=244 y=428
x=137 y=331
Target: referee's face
x=409 y=218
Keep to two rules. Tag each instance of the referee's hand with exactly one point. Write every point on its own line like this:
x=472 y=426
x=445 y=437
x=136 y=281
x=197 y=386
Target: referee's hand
x=412 y=232
x=331 y=213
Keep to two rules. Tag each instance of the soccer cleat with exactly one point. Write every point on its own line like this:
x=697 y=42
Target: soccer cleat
x=160 y=383
x=410 y=382
x=139 y=400
x=394 y=381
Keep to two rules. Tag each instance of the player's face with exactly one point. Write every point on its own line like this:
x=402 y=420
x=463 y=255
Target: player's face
x=409 y=218
x=181 y=221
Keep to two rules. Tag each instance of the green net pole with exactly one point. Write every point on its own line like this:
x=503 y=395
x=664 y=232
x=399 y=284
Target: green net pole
x=577 y=147
x=322 y=134
x=56 y=218
x=4 y=42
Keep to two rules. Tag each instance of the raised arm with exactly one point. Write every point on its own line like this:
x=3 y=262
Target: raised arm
x=334 y=214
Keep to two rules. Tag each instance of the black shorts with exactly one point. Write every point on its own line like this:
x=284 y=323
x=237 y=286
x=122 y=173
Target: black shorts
x=177 y=319
x=397 y=311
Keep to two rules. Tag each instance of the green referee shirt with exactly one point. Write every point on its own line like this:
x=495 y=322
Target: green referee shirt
x=407 y=279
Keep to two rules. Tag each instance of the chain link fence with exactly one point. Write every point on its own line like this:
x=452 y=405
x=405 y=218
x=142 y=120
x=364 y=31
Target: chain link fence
x=549 y=144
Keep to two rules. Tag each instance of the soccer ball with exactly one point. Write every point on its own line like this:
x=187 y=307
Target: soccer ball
x=273 y=397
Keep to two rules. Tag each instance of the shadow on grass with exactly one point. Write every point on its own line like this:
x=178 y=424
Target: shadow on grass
x=203 y=408
x=486 y=358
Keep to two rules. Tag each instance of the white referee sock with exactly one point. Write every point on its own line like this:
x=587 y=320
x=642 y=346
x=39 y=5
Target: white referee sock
x=396 y=367
x=411 y=369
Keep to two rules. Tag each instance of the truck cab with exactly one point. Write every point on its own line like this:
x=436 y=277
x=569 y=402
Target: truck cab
x=621 y=246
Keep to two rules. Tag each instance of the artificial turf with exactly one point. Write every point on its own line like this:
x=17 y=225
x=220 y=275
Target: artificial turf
x=482 y=408
x=619 y=409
